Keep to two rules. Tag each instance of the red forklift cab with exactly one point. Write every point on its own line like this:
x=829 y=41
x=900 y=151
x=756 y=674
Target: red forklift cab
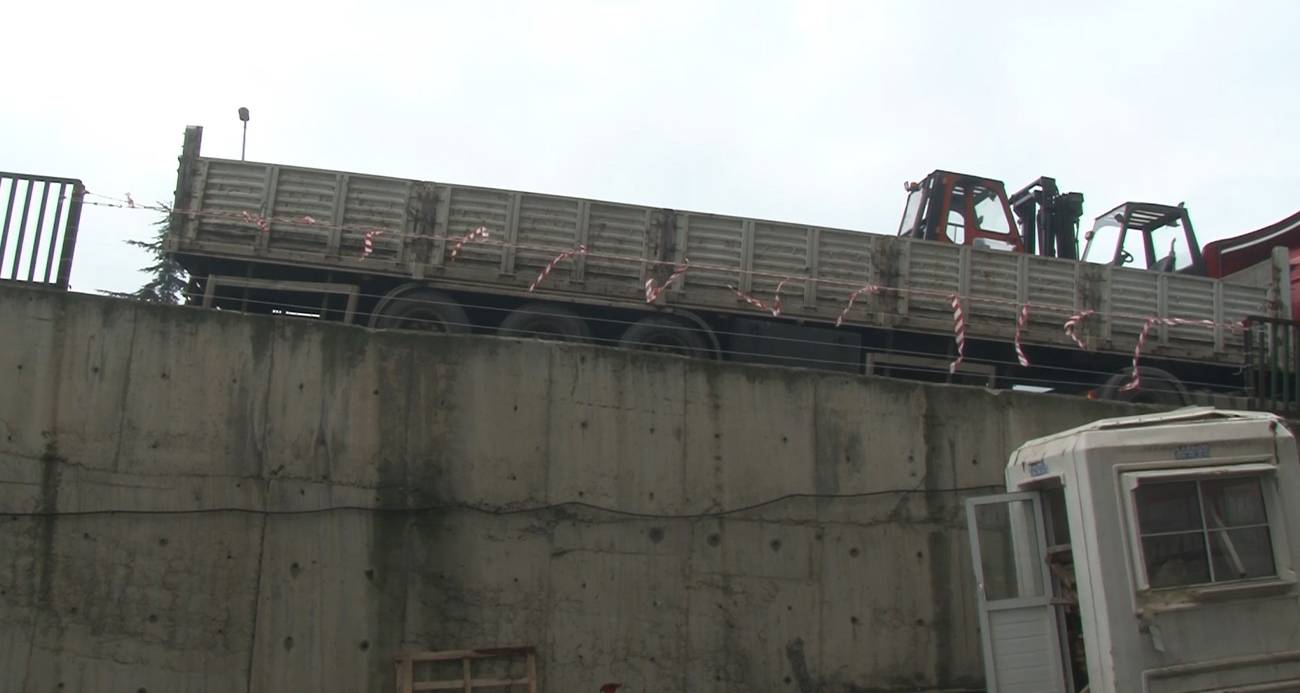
x=956 y=208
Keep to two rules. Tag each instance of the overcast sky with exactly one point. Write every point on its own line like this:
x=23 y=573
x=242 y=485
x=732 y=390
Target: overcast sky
x=809 y=112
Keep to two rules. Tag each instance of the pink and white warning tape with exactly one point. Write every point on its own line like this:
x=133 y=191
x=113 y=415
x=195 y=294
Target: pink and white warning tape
x=479 y=233
x=370 y=241
x=1142 y=340
x=1072 y=326
x=958 y=331
x=774 y=306
x=261 y=222
x=869 y=288
x=1020 y=328
x=652 y=292
x=581 y=250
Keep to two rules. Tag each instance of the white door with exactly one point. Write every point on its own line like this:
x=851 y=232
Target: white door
x=1013 y=585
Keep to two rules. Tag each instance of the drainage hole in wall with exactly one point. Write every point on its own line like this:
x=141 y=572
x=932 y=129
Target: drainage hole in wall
x=365 y=645
x=853 y=553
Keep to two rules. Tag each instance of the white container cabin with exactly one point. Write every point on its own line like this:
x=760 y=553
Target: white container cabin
x=1150 y=553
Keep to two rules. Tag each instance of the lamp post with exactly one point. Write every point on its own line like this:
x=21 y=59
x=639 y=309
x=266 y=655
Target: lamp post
x=243 y=115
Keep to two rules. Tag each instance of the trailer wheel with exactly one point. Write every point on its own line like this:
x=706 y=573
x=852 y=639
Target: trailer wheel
x=1158 y=387
x=664 y=334
x=545 y=321
x=425 y=310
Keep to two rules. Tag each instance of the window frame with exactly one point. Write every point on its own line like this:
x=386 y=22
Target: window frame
x=1264 y=472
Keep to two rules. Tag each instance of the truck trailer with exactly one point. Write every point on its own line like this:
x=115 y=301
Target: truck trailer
x=976 y=286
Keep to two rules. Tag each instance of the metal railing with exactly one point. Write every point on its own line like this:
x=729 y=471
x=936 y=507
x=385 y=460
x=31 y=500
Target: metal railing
x=32 y=250
x=1273 y=364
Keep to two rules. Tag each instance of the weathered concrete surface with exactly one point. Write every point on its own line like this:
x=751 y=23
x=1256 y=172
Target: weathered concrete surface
x=111 y=405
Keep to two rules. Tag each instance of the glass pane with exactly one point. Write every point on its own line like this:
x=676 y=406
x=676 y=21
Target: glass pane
x=1168 y=507
x=1101 y=245
x=1233 y=502
x=1170 y=240
x=1135 y=245
x=910 y=213
x=956 y=223
x=1242 y=553
x=1010 y=560
x=1176 y=559
x=989 y=212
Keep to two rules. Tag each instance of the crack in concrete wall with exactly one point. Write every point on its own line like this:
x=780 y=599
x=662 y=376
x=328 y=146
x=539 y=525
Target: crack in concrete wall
x=114 y=405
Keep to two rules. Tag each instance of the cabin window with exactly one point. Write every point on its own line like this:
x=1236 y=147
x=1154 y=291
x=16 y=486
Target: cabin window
x=1203 y=531
x=989 y=212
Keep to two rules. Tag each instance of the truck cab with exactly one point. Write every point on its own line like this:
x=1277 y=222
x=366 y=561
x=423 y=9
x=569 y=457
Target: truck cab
x=1147 y=553
x=1145 y=235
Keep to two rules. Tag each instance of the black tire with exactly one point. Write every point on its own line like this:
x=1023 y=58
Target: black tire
x=1158 y=387
x=424 y=310
x=664 y=334
x=545 y=321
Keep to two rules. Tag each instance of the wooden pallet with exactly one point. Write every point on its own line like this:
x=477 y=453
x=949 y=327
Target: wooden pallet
x=406 y=682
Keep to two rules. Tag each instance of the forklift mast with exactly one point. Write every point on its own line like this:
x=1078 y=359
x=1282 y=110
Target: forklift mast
x=1049 y=221
x=970 y=210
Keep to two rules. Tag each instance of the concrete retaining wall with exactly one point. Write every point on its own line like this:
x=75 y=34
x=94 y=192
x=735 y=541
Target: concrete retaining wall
x=197 y=423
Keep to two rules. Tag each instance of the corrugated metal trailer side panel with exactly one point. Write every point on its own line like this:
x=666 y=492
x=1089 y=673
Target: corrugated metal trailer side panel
x=413 y=227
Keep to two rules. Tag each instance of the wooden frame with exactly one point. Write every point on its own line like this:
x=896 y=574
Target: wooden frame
x=406 y=682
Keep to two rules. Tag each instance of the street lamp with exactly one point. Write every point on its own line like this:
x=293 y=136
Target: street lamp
x=243 y=115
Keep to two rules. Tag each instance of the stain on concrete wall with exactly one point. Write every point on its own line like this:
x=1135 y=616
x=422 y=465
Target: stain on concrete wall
x=209 y=501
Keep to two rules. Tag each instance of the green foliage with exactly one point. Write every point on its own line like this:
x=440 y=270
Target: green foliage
x=168 y=281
